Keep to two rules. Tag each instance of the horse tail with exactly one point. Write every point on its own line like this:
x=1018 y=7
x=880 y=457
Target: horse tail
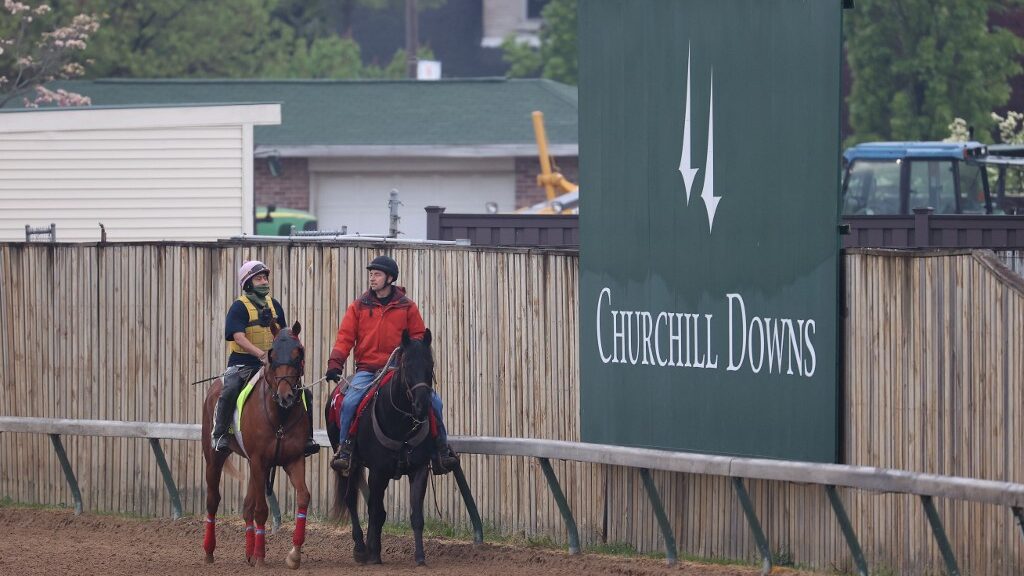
x=338 y=511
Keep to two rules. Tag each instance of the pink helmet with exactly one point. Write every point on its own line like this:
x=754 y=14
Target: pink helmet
x=250 y=270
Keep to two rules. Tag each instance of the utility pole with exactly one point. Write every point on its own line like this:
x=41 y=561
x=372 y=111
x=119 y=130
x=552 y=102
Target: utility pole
x=412 y=40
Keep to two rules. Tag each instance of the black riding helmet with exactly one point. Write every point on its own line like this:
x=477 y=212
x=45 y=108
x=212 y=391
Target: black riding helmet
x=386 y=265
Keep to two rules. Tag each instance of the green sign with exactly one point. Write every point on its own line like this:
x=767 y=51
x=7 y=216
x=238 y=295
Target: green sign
x=709 y=168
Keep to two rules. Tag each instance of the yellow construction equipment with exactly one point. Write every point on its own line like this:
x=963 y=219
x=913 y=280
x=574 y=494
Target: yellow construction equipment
x=550 y=179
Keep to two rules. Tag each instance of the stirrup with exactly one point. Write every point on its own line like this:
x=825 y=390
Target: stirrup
x=443 y=464
x=342 y=460
x=221 y=444
x=311 y=447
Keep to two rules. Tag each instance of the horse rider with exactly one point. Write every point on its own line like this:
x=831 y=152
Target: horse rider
x=373 y=324
x=253 y=321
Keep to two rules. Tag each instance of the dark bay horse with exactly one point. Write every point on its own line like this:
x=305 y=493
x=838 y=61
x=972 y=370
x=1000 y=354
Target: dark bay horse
x=273 y=434
x=393 y=440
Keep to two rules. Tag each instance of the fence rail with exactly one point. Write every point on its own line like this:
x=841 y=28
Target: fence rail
x=921 y=230
x=933 y=383
x=926 y=486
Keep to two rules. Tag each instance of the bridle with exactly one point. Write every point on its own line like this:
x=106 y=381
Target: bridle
x=294 y=383
x=409 y=390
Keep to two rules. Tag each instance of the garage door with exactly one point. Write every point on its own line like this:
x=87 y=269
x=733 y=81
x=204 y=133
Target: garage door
x=359 y=200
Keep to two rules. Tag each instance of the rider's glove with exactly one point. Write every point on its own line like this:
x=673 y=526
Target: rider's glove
x=334 y=375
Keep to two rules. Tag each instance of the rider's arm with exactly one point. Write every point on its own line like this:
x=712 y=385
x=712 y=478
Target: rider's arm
x=249 y=347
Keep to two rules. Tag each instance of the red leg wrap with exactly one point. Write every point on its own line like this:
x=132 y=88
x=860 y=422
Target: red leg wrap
x=250 y=539
x=299 y=536
x=261 y=542
x=210 y=537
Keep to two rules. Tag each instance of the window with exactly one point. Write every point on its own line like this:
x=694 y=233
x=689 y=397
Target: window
x=972 y=189
x=873 y=188
x=931 y=185
x=533 y=8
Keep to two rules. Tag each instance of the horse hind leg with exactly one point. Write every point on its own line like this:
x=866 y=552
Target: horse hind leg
x=417 y=493
x=214 y=467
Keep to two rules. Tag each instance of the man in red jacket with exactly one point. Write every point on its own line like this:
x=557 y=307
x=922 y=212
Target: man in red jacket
x=373 y=325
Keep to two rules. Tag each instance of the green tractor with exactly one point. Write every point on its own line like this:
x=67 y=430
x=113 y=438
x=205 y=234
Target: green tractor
x=274 y=221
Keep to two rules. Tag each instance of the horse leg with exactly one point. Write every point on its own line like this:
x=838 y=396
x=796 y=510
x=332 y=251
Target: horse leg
x=214 y=468
x=378 y=483
x=258 y=474
x=351 y=487
x=297 y=474
x=417 y=492
x=248 y=512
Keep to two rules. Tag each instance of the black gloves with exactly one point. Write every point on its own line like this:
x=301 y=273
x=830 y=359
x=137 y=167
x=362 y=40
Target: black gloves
x=266 y=317
x=333 y=374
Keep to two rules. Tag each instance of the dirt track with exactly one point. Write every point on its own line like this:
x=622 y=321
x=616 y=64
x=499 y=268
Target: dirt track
x=37 y=542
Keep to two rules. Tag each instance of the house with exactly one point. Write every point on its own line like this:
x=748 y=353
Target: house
x=464 y=35
x=129 y=173
x=343 y=146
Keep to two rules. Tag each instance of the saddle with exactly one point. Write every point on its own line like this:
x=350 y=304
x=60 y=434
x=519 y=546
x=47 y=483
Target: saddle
x=338 y=396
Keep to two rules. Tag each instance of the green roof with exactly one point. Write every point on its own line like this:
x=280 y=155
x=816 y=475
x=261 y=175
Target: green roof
x=468 y=112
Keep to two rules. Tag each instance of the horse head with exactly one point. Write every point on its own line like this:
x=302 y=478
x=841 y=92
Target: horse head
x=417 y=372
x=287 y=365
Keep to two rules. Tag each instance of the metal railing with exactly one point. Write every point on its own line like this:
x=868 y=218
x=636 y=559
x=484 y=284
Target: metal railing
x=828 y=476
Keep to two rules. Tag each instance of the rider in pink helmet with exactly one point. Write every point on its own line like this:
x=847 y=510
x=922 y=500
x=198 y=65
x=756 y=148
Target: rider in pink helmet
x=253 y=321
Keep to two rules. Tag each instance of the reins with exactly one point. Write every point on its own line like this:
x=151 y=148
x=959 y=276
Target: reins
x=420 y=428
x=282 y=429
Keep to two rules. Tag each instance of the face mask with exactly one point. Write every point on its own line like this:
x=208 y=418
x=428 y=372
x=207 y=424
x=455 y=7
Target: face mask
x=261 y=291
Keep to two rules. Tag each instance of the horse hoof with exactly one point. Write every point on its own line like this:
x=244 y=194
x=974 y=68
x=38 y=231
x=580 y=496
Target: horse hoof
x=209 y=558
x=293 y=559
x=421 y=562
x=359 y=556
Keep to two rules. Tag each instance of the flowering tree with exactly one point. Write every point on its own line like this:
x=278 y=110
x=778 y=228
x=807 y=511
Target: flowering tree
x=34 y=50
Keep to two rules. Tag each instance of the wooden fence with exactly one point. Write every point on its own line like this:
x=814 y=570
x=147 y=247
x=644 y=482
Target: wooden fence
x=934 y=377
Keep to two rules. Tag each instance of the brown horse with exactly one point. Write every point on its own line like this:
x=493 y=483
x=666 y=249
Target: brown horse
x=273 y=434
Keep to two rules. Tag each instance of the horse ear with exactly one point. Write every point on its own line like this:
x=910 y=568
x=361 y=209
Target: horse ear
x=296 y=328
x=426 y=337
x=405 y=338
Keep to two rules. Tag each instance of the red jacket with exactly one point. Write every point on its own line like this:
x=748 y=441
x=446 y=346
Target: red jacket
x=375 y=330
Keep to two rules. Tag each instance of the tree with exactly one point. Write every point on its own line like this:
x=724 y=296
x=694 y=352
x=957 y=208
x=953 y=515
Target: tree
x=223 y=39
x=557 y=57
x=185 y=38
x=35 y=48
x=917 y=63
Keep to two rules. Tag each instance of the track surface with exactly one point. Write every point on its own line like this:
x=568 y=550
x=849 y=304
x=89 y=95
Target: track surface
x=45 y=542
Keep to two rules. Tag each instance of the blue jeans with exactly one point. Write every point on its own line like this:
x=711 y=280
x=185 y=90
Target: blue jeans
x=357 y=389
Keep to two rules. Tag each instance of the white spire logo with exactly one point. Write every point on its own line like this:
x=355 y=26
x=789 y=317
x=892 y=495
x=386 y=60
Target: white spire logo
x=686 y=168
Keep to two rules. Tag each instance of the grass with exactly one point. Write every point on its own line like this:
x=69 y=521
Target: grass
x=6 y=502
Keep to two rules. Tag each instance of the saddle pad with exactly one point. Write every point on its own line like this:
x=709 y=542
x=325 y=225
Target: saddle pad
x=338 y=398
x=242 y=397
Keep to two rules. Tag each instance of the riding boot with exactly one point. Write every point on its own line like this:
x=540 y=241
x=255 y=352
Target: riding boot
x=444 y=459
x=221 y=420
x=342 y=461
x=311 y=446
x=233 y=380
